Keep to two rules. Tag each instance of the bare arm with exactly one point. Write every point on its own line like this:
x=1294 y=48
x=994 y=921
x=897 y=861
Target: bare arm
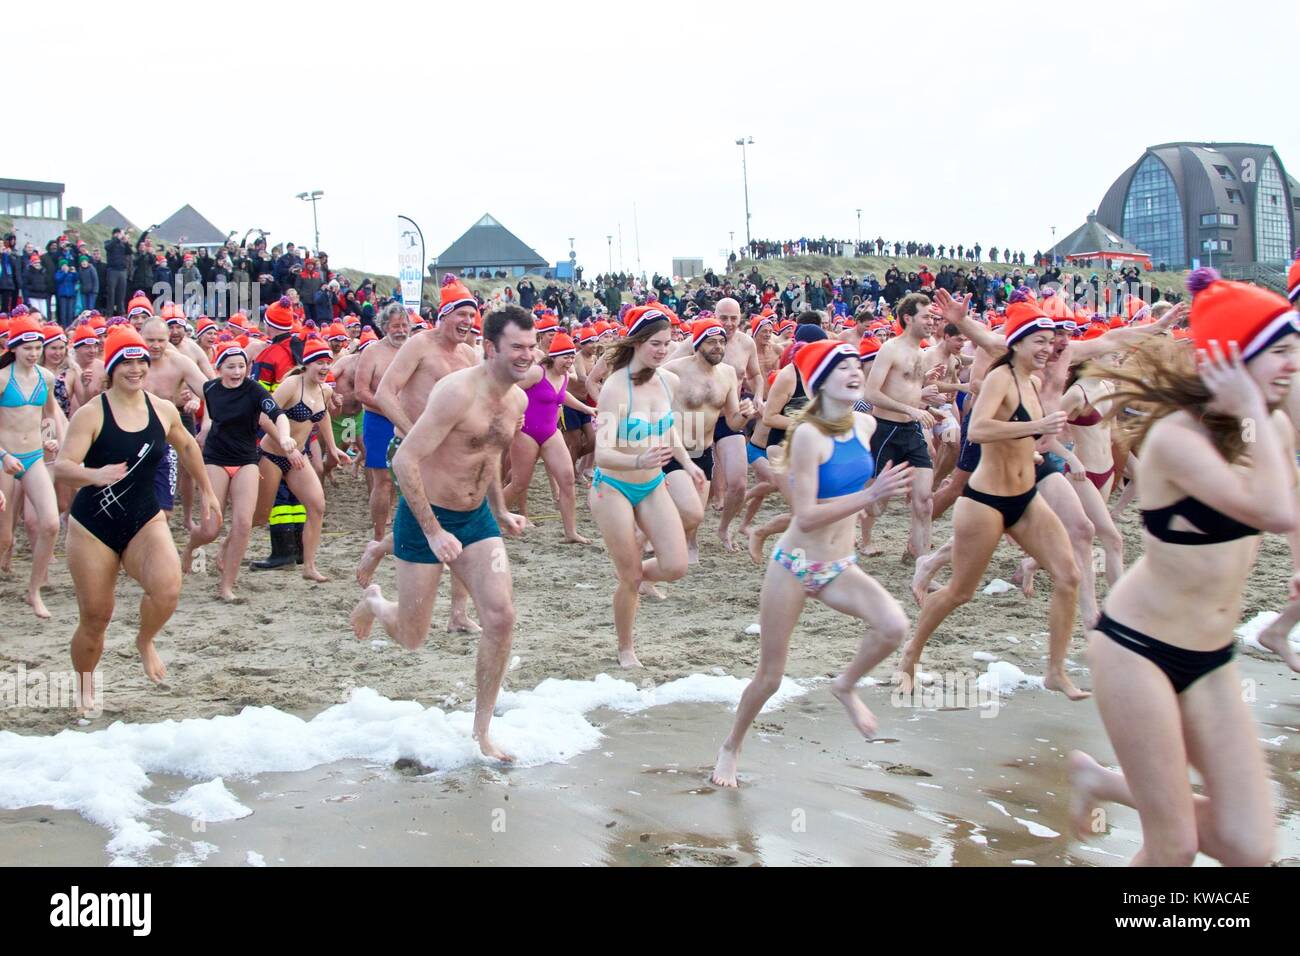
x=984 y=427
x=754 y=373
x=364 y=385
x=779 y=397
x=395 y=377
x=68 y=467
x=1117 y=340
x=452 y=398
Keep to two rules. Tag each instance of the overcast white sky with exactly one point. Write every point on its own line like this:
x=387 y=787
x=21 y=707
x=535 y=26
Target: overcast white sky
x=947 y=122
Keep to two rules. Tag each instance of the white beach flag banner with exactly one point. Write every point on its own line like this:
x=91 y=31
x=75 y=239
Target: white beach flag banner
x=410 y=261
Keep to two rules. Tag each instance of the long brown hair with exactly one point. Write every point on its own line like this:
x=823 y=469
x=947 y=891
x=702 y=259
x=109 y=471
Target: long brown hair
x=1159 y=378
x=618 y=354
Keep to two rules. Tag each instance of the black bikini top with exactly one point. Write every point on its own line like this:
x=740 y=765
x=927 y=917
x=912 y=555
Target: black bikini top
x=1021 y=414
x=1215 y=527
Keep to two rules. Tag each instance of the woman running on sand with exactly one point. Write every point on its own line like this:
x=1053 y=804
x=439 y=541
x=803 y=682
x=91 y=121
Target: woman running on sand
x=26 y=403
x=1216 y=468
x=635 y=438
x=547 y=388
x=304 y=398
x=111 y=454
x=237 y=407
x=1002 y=497
x=830 y=465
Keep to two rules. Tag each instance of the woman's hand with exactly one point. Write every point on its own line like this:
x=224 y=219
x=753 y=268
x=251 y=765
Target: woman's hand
x=654 y=457
x=296 y=459
x=12 y=466
x=1229 y=382
x=893 y=480
x=109 y=474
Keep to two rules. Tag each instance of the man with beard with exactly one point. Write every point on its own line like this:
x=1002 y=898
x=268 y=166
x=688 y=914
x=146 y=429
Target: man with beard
x=377 y=429
x=708 y=392
x=169 y=370
x=425 y=359
x=449 y=470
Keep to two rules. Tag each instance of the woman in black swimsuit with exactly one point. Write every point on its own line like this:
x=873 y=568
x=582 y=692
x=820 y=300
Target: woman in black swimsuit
x=237 y=406
x=304 y=398
x=111 y=454
x=1161 y=656
x=1000 y=497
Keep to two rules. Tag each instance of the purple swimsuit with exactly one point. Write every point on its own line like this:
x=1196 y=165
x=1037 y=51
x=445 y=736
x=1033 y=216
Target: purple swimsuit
x=542 y=417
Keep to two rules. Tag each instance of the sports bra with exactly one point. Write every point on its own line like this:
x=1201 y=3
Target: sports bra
x=1021 y=414
x=301 y=412
x=1089 y=418
x=639 y=429
x=797 y=401
x=848 y=470
x=13 y=396
x=1215 y=527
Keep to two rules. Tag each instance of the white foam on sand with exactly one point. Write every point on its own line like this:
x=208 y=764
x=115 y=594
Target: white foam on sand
x=1003 y=677
x=998 y=586
x=103 y=774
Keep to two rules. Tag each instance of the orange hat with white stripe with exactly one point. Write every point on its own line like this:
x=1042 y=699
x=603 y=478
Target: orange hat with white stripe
x=84 y=335
x=1025 y=317
x=640 y=317
x=1253 y=317
x=868 y=348
x=315 y=349
x=453 y=295
x=24 y=330
x=701 y=329
x=229 y=348
x=816 y=360
x=139 y=304
x=561 y=346
x=279 y=315
x=54 y=333
x=123 y=342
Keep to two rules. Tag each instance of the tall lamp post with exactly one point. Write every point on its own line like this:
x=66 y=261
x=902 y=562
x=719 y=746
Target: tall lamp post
x=859 y=226
x=742 y=142
x=610 y=241
x=312 y=197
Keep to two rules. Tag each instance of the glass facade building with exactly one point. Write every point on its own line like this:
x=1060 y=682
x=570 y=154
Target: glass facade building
x=1153 y=215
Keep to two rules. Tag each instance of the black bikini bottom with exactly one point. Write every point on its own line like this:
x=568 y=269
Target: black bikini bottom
x=1181 y=666
x=1012 y=506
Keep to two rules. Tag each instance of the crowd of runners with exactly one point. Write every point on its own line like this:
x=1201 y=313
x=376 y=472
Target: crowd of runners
x=1039 y=422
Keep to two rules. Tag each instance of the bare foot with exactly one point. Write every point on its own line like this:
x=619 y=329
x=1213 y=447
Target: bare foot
x=576 y=538
x=86 y=705
x=756 y=542
x=647 y=589
x=362 y=617
x=692 y=553
x=628 y=658
x=187 y=561
x=870 y=550
x=859 y=714
x=38 y=606
x=1024 y=576
x=154 y=668
x=921 y=577
x=226 y=594
x=744 y=530
x=1056 y=680
x=311 y=574
x=463 y=625
x=492 y=751
x=724 y=771
x=724 y=535
x=369 y=562
x=905 y=676
x=1085 y=774
x=1276 y=637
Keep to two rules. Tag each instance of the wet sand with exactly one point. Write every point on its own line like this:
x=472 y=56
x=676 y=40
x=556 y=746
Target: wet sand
x=288 y=645
x=939 y=787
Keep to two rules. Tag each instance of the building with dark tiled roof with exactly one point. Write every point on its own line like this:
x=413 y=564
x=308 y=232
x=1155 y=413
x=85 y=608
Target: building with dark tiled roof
x=488 y=246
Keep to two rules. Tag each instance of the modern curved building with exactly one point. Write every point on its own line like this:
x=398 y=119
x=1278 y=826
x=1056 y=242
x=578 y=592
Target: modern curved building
x=1218 y=203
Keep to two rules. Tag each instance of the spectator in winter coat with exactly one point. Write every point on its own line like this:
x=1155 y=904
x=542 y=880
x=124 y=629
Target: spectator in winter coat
x=309 y=284
x=117 y=262
x=37 y=285
x=162 y=279
x=191 y=281
x=88 y=282
x=142 y=267
x=65 y=291
x=10 y=274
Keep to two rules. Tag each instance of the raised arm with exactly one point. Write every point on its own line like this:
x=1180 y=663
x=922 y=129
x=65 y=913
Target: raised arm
x=399 y=372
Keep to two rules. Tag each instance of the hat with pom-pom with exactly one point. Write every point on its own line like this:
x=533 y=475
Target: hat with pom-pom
x=334 y=332
x=642 y=316
x=759 y=321
x=453 y=295
x=1025 y=317
x=139 y=304
x=1053 y=306
x=816 y=360
x=229 y=348
x=84 y=335
x=172 y=313
x=561 y=346
x=546 y=323
x=204 y=326
x=279 y=315
x=1293 y=279
x=1225 y=312
x=367 y=338
x=123 y=342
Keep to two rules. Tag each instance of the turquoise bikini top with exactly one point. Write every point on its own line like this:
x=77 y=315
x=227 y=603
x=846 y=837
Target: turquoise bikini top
x=639 y=429
x=13 y=396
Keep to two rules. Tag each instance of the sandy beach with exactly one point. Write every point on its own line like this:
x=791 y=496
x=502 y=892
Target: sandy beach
x=288 y=647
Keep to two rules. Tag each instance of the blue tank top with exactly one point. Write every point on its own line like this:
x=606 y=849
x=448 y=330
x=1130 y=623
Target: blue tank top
x=847 y=471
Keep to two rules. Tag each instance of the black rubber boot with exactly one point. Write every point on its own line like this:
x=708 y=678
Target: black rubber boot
x=297 y=542
x=282 y=552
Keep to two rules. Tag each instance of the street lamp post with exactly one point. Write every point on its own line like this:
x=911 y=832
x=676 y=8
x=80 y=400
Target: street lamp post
x=742 y=142
x=312 y=197
x=859 y=226
x=610 y=241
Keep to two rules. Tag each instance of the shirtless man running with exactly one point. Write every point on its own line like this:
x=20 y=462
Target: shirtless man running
x=449 y=470
x=377 y=429
x=169 y=372
x=425 y=359
x=707 y=392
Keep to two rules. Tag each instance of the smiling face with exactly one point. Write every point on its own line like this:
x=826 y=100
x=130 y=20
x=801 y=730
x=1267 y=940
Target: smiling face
x=713 y=349
x=129 y=374
x=1273 y=368
x=845 y=382
x=654 y=350
x=1038 y=349
x=515 y=353
x=458 y=325
x=562 y=365
x=56 y=353
x=318 y=370
x=29 y=353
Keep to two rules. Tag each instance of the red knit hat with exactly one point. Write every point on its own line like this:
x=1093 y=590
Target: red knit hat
x=816 y=359
x=561 y=345
x=315 y=349
x=367 y=338
x=229 y=348
x=761 y=320
x=546 y=323
x=1293 y=279
x=335 y=332
x=868 y=348
x=24 y=330
x=1054 y=307
x=123 y=342
x=238 y=320
x=173 y=313
x=139 y=303
x=206 y=325
x=1024 y=317
x=454 y=295
x=701 y=329
x=586 y=334
x=641 y=316
x=84 y=335
x=54 y=333
x=1225 y=311
x=279 y=315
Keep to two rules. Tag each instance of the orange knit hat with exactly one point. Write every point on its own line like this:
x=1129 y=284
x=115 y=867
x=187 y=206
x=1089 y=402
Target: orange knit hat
x=561 y=345
x=123 y=342
x=816 y=360
x=1025 y=317
x=1226 y=312
x=701 y=329
x=453 y=295
x=24 y=330
x=139 y=303
x=279 y=315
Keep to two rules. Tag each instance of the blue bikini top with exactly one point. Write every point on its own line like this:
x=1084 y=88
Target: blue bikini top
x=847 y=471
x=639 y=429
x=13 y=396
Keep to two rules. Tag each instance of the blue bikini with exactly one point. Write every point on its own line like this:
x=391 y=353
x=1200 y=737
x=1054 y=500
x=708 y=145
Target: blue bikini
x=12 y=397
x=632 y=429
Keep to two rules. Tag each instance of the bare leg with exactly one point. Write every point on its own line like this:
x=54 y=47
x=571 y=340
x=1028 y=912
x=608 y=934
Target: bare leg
x=152 y=560
x=381 y=501
x=94 y=567
x=555 y=456
x=371 y=558
x=487 y=572
x=946 y=495
x=306 y=487
x=1276 y=637
x=243 y=497
x=42 y=509
x=459 y=621
x=758 y=536
x=690 y=505
x=927 y=566
x=730 y=468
